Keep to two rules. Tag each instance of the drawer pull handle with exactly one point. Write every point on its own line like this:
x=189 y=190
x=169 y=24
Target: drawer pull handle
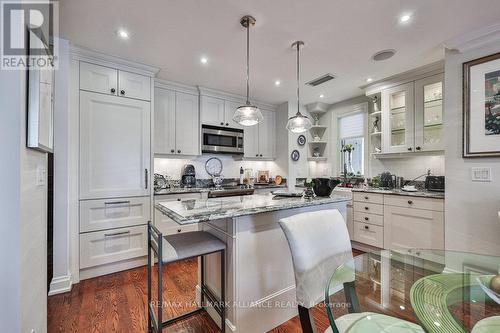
x=367 y=208
x=367 y=227
x=410 y=202
x=367 y=218
x=146 y=178
x=117 y=234
x=118 y=203
x=113 y=90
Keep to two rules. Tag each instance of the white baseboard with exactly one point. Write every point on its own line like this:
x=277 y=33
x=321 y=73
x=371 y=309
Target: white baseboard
x=60 y=284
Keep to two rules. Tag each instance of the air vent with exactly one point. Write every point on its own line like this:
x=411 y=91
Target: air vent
x=320 y=80
x=383 y=55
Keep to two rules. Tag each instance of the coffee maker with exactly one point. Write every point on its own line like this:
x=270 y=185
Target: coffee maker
x=188 y=178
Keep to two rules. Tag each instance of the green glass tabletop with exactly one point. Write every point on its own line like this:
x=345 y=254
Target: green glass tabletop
x=414 y=291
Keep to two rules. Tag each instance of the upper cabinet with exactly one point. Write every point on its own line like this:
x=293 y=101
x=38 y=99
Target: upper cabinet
x=429 y=113
x=260 y=140
x=218 y=112
x=397 y=119
x=412 y=116
x=111 y=81
x=177 y=123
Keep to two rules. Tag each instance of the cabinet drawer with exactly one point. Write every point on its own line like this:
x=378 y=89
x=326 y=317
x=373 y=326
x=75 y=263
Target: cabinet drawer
x=133 y=85
x=368 y=208
x=167 y=226
x=113 y=213
x=104 y=247
x=368 y=197
x=99 y=79
x=369 y=234
x=369 y=218
x=414 y=202
x=180 y=229
x=177 y=197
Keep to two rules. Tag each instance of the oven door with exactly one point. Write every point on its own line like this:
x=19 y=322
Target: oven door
x=222 y=140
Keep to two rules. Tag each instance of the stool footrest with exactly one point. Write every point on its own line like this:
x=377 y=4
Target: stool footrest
x=180 y=317
x=215 y=302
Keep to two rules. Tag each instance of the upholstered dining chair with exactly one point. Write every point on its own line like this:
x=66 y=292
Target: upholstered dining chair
x=319 y=243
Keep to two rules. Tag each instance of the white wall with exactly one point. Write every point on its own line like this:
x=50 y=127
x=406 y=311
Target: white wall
x=24 y=228
x=409 y=167
x=471 y=219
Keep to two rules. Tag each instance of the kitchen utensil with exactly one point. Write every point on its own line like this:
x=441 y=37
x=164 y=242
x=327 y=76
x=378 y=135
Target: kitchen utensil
x=277 y=180
x=213 y=166
x=301 y=140
x=323 y=187
x=295 y=156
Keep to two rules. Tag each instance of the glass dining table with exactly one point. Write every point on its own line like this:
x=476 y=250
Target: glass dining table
x=412 y=291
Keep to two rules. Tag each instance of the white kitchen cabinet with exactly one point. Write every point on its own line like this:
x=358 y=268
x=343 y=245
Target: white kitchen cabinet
x=114 y=146
x=406 y=228
x=111 y=81
x=213 y=111
x=370 y=234
x=98 y=79
x=133 y=85
x=398 y=131
x=429 y=113
x=260 y=140
x=229 y=110
x=177 y=125
x=165 y=224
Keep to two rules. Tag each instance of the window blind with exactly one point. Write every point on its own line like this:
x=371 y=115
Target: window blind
x=352 y=125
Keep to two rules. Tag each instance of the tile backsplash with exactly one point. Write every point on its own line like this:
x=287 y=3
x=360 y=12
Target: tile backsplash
x=231 y=168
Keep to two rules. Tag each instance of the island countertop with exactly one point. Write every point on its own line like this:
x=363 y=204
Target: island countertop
x=202 y=210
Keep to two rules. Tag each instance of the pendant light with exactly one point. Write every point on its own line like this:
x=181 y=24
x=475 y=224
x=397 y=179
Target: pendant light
x=298 y=123
x=248 y=114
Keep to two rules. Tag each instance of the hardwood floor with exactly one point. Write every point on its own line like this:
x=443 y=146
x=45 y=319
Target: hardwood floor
x=117 y=303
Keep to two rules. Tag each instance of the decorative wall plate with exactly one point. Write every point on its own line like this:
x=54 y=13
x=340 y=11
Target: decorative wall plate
x=301 y=140
x=295 y=155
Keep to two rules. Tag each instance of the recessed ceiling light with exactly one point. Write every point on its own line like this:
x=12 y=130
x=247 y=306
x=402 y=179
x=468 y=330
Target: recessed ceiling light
x=204 y=60
x=368 y=80
x=405 y=18
x=321 y=96
x=383 y=55
x=277 y=82
x=123 y=34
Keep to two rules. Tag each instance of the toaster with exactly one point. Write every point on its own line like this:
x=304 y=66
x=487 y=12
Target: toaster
x=434 y=183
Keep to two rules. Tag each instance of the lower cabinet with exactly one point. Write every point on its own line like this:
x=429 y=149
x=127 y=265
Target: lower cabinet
x=109 y=246
x=369 y=234
x=165 y=224
x=413 y=228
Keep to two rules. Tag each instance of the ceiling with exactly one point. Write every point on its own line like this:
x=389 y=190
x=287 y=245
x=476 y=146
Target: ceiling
x=340 y=37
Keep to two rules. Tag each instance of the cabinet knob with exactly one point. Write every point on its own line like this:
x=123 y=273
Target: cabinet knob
x=122 y=92
x=227 y=124
x=113 y=90
x=367 y=227
x=179 y=230
x=367 y=208
x=172 y=151
x=222 y=123
x=260 y=155
x=418 y=148
x=366 y=198
x=179 y=151
x=410 y=202
x=367 y=218
x=178 y=199
x=256 y=155
x=410 y=149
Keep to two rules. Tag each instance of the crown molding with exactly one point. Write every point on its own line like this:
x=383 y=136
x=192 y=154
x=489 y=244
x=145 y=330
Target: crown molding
x=474 y=39
x=234 y=97
x=85 y=54
x=165 y=84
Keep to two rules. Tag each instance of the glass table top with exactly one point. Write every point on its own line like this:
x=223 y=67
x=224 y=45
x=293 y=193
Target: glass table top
x=396 y=291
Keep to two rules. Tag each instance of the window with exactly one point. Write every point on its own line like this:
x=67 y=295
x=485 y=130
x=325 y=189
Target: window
x=351 y=138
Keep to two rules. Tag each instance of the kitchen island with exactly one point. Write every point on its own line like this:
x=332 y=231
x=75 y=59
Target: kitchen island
x=260 y=284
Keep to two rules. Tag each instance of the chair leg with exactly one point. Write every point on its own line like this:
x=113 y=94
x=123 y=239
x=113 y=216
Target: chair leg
x=202 y=286
x=223 y=290
x=149 y=277
x=160 y=286
x=306 y=320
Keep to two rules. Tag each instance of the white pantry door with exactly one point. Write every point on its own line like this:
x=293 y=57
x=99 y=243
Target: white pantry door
x=114 y=146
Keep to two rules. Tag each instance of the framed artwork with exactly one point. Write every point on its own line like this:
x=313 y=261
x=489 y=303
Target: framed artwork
x=40 y=120
x=481 y=107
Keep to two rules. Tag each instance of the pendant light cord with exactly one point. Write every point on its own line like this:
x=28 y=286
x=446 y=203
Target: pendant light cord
x=248 y=61
x=298 y=80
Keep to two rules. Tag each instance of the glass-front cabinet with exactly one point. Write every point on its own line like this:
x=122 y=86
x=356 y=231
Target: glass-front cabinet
x=398 y=119
x=429 y=113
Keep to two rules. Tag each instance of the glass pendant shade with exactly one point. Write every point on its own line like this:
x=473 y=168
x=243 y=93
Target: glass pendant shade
x=248 y=115
x=298 y=123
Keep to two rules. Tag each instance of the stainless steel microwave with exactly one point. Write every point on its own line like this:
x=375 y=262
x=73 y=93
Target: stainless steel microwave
x=221 y=140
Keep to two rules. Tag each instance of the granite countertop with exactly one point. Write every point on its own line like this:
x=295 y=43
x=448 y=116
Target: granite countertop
x=180 y=190
x=202 y=210
x=422 y=194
